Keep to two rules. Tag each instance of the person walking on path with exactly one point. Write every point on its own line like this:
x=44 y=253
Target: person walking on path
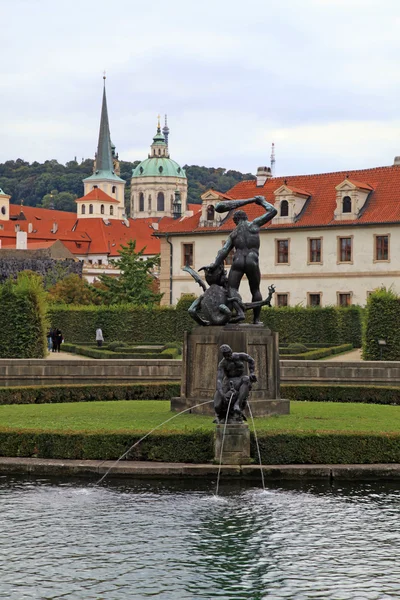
x=49 y=339
x=99 y=337
x=57 y=339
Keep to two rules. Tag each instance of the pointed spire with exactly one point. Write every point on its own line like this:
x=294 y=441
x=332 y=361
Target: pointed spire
x=104 y=160
x=273 y=159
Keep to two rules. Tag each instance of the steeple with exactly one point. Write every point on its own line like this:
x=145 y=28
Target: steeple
x=104 y=159
x=159 y=147
x=166 y=131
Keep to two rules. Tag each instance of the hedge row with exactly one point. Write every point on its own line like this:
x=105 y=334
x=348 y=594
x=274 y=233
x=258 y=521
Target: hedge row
x=318 y=353
x=382 y=320
x=53 y=394
x=23 y=318
x=367 y=394
x=166 y=391
x=165 y=324
x=100 y=353
x=198 y=447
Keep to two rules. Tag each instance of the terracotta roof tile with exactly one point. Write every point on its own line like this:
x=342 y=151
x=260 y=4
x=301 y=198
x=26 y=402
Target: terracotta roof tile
x=97 y=195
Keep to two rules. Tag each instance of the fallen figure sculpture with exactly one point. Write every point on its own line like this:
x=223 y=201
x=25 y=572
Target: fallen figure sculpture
x=220 y=304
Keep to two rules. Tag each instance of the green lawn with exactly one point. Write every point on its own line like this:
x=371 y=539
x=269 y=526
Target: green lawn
x=141 y=416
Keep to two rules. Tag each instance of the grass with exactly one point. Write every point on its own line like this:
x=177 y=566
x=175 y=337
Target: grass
x=141 y=416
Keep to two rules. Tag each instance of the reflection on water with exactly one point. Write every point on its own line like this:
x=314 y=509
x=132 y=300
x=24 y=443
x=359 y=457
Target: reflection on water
x=178 y=541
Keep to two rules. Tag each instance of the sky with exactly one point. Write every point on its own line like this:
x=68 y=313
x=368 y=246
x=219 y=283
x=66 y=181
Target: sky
x=319 y=78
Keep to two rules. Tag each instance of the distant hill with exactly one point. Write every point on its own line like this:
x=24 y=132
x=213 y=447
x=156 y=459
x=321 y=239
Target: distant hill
x=53 y=184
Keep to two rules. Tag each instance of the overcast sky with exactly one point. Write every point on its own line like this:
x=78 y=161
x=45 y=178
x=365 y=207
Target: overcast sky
x=320 y=78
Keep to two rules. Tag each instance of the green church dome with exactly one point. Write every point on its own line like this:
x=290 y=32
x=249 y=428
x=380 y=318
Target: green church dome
x=159 y=167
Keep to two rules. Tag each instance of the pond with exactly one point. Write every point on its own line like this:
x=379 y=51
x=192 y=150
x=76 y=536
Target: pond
x=176 y=540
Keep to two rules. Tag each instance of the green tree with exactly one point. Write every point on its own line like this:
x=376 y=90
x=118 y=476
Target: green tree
x=73 y=290
x=59 y=201
x=135 y=285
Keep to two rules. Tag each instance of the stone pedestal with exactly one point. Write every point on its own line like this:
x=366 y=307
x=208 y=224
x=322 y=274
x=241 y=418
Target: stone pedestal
x=234 y=447
x=200 y=363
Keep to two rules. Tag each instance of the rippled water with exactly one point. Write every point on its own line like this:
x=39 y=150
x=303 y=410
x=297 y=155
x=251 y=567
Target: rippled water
x=177 y=541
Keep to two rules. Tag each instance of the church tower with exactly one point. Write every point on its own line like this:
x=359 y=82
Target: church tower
x=155 y=180
x=105 y=177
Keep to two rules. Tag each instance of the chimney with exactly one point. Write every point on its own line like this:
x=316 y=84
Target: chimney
x=263 y=173
x=30 y=227
x=22 y=240
x=54 y=229
x=396 y=161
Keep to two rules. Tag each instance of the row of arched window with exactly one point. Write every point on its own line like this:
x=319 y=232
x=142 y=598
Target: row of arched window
x=90 y=211
x=160 y=202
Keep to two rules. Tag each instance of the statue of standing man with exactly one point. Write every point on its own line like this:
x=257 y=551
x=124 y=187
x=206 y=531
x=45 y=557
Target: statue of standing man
x=245 y=240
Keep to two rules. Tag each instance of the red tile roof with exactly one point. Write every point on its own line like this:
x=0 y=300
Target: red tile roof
x=97 y=195
x=382 y=205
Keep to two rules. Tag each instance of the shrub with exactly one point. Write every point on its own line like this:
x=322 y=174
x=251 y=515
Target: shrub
x=382 y=323
x=53 y=394
x=315 y=354
x=114 y=345
x=23 y=318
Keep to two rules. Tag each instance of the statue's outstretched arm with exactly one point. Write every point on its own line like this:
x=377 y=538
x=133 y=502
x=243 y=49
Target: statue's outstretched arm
x=222 y=254
x=270 y=211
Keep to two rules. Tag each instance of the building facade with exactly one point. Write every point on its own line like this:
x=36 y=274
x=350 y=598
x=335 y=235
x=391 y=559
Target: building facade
x=333 y=241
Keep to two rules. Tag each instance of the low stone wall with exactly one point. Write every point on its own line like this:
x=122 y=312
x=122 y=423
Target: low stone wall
x=47 y=372
x=344 y=373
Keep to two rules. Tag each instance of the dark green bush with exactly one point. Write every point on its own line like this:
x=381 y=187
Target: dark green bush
x=116 y=345
x=316 y=354
x=53 y=394
x=23 y=318
x=368 y=394
x=168 y=324
x=327 y=448
x=108 y=354
x=382 y=323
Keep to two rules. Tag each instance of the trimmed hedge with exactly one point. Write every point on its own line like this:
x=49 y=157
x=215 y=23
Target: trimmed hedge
x=317 y=353
x=53 y=394
x=23 y=318
x=100 y=353
x=367 y=394
x=327 y=448
x=167 y=324
x=382 y=323
x=198 y=447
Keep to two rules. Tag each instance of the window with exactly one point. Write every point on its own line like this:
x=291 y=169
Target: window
x=90 y=261
x=83 y=209
x=102 y=209
x=111 y=210
x=3 y=210
x=100 y=261
x=282 y=252
x=346 y=204
x=284 y=208
x=381 y=247
x=314 y=299
x=90 y=209
x=114 y=189
x=344 y=299
x=95 y=187
x=345 y=249
x=314 y=252
x=141 y=201
x=282 y=300
x=210 y=213
x=229 y=258
x=187 y=258
x=160 y=201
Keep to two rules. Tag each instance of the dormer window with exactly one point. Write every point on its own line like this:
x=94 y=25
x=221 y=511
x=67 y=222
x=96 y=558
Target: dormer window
x=346 y=204
x=210 y=213
x=351 y=197
x=284 y=208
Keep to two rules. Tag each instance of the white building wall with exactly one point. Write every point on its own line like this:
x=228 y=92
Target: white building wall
x=299 y=277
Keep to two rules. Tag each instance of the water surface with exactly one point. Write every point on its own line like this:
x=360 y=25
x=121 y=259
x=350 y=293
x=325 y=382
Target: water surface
x=65 y=539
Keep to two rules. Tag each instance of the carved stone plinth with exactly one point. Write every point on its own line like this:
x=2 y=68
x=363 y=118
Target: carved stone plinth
x=234 y=447
x=200 y=360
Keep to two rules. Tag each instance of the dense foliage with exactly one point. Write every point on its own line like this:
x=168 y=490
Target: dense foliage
x=51 y=184
x=23 y=317
x=382 y=323
x=73 y=289
x=135 y=284
x=366 y=394
x=166 y=324
x=314 y=354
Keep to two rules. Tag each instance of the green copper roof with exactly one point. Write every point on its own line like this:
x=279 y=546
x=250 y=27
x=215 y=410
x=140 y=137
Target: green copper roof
x=158 y=167
x=159 y=138
x=1 y=192
x=104 y=159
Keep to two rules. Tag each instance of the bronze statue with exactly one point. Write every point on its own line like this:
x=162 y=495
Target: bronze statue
x=245 y=239
x=233 y=386
x=219 y=304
